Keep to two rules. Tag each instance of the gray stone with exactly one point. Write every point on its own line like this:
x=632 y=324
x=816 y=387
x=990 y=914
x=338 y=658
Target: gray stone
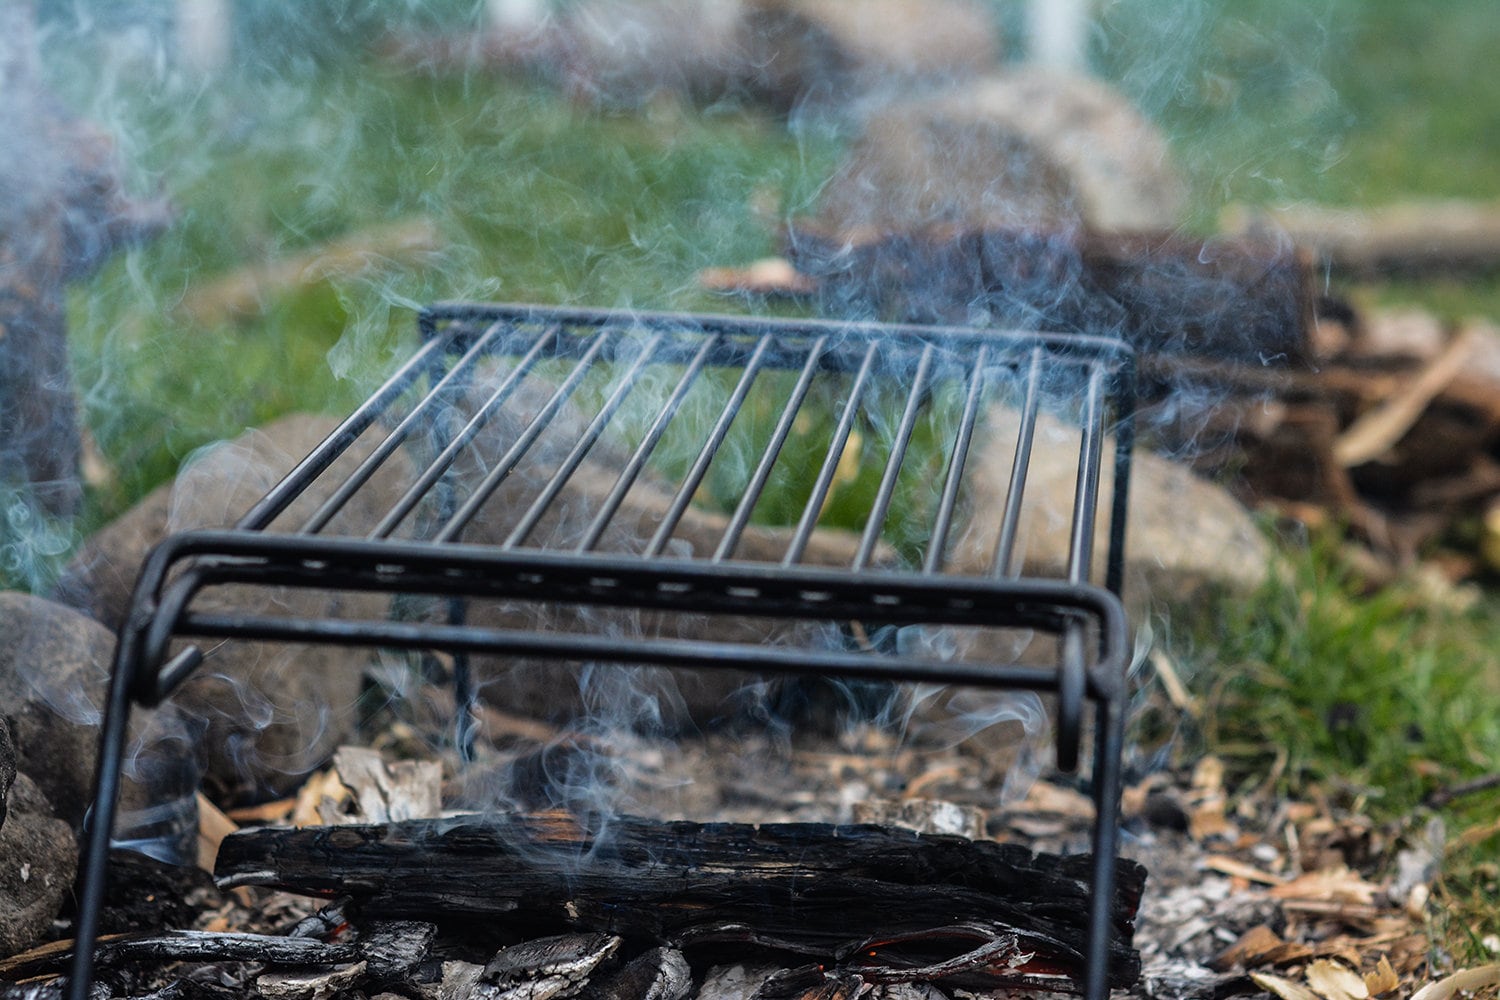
x=1027 y=149
x=54 y=665
x=1185 y=536
x=38 y=861
x=272 y=712
x=7 y=767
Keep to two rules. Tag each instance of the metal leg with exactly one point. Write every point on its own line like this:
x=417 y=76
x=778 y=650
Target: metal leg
x=100 y=819
x=1108 y=745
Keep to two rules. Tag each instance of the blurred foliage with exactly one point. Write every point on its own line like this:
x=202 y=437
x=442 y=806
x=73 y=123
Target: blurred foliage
x=1340 y=101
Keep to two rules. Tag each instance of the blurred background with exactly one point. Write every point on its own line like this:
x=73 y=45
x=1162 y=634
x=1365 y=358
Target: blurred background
x=273 y=128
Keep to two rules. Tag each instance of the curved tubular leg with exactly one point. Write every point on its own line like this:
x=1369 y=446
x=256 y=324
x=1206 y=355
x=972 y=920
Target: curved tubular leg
x=1109 y=736
x=101 y=816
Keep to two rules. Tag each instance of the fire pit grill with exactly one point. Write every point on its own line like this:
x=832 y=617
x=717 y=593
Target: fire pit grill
x=738 y=413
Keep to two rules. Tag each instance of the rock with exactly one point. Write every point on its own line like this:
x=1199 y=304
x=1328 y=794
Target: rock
x=1024 y=149
x=54 y=664
x=7 y=766
x=38 y=861
x=1185 y=537
x=273 y=712
x=835 y=51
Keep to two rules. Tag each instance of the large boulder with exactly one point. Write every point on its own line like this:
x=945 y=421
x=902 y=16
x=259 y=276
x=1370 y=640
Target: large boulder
x=1025 y=149
x=1185 y=536
x=54 y=666
x=38 y=861
x=7 y=766
x=272 y=712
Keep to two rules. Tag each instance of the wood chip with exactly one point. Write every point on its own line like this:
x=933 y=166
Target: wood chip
x=387 y=792
x=1171 y=682
x=1249 y=951
x=309 y=985
x=1468 y=979
x=277 y=811
x=1383 y=980
x=213 y=827
x=769 y=276
x=1226 y=865
x=1336 y=981
x=1284 y=988
x=1331 y=885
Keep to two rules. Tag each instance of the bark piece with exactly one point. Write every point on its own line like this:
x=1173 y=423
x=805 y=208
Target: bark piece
x=320 y=985
x=393 y=948
x=658 y=974
x=820 y=889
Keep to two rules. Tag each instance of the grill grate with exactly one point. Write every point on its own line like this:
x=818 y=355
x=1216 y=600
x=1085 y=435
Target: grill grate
x=630 y=462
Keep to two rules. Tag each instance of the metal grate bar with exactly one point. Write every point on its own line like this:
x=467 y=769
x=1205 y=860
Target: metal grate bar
x=1086 y=497
x=642 y=453
x=882 y=502
x=402 y=431
x=289 y=489
x=446 y=457
x=454 y=526
x=624 y=385
x=1003 y=564
x=710 y=449
x=605 y=363
x=943 y=523
x=757 y=484
x=813 y=509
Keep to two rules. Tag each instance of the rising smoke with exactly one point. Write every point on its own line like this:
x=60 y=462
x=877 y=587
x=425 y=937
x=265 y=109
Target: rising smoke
x=288 y=129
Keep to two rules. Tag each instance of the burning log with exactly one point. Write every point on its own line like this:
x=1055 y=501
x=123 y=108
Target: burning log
x=1245 y=300
x=63 y=212
x=886 y=904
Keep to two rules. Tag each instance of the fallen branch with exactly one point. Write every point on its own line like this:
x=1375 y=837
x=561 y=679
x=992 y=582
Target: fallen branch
x=1438 y=798
x=1376 y=432
x=1407 y=238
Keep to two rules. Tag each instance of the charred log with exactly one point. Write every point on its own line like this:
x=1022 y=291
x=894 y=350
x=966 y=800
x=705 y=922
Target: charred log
x=1243 y=300
x=882 y=899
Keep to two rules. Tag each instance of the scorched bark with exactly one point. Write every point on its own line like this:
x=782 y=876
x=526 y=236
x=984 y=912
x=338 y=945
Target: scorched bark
x=829 y=892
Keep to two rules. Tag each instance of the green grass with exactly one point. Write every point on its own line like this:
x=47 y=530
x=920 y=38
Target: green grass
x=1382 y=696
x=1371 y=703
x=536 y=200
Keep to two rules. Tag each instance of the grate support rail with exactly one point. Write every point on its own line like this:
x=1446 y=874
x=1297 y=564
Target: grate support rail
x=766 y=420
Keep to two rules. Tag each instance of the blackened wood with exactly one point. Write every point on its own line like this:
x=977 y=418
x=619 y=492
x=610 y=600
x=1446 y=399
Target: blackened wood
x=1246 y=300
x=183 y=946
x=820 y=888
x=393 y=948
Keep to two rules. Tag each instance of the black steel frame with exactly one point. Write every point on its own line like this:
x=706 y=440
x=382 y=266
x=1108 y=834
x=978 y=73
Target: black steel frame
x=1088 y=620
